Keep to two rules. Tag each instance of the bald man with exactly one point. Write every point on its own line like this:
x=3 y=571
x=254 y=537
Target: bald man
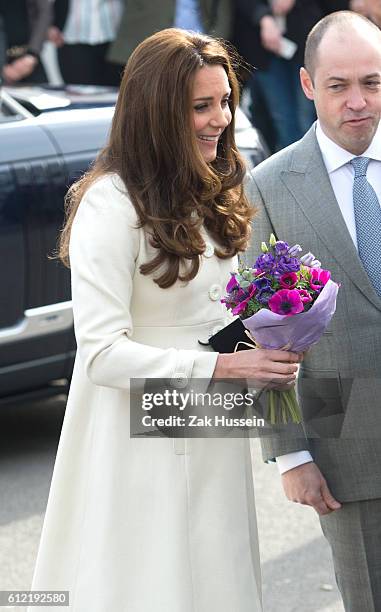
x=324 y=192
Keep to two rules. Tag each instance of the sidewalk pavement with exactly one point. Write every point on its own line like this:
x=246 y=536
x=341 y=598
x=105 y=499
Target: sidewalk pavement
x=297 y=569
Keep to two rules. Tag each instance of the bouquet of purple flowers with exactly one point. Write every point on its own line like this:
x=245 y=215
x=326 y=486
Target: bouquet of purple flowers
x=285 y=301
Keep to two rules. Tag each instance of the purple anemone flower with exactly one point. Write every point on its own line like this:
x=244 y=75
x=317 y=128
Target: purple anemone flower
x=265 y=294
x=281 y=248
x=285 y=302
x=262 y=283
x=289 y=280
x=319 y=278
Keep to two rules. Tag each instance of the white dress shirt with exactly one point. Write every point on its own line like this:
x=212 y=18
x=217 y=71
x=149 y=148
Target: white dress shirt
x=92 y=22
x=188 y=15
x=341 y=174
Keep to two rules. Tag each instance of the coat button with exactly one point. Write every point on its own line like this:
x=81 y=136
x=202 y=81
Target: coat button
x=209 y=250
x=179 y=380
x=215 y=292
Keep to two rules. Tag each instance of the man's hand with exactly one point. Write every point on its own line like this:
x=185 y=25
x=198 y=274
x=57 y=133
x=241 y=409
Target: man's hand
x=359 y=6
x=55 y=36
x=270 y=34
x=306 y=485
x=20 y=68
x=282 y=7
x=374 y=11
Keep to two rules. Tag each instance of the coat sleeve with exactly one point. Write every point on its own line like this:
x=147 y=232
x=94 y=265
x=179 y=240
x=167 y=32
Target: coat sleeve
x=60 y=13
x=253 y=11
x=104 y=246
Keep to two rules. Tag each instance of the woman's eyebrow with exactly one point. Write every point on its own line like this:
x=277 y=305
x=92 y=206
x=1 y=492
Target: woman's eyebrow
x=211 y=97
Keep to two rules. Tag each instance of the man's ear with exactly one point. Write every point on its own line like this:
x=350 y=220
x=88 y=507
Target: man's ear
x=307 y=84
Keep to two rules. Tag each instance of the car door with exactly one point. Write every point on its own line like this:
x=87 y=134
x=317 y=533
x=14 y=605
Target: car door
x=33 y=335
x=78 y=135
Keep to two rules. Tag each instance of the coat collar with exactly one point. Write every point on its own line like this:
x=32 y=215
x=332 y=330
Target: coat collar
x=307 y=179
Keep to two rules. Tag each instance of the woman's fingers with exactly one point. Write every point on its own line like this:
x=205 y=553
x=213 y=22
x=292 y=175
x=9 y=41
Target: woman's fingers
x=276 y=377
x=276 y=367
x=287 y=356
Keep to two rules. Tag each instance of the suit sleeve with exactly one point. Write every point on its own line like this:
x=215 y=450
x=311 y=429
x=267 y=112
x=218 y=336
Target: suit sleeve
x=262 y=226
x=60 y=13
x=331 y=6
x=104 y=247
x=253 y=11
x=281 y=441
x=41 y=18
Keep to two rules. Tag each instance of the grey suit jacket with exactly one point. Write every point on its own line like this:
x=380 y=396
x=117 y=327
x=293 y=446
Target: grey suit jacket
x=296 y=202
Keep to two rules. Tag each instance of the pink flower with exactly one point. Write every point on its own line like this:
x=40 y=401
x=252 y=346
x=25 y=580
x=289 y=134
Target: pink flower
x=304 y=296
x=286 y=302
x=242 y=305
x=319 y=278
x=288 y=280
x=232 y=284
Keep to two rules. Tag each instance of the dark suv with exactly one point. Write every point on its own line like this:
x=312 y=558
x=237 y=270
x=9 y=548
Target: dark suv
x=48 y=138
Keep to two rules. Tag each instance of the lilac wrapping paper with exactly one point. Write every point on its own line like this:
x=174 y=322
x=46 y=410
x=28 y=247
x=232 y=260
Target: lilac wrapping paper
x=294 y=333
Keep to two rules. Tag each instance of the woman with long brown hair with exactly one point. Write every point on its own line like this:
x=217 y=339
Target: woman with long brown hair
x=152 y=231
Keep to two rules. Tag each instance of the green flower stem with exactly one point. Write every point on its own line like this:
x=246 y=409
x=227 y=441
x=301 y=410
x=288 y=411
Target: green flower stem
x=283 y=407
x=291 y=401
x=271 y=408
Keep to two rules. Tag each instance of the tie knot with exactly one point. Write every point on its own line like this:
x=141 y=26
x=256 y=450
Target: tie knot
x=360 y=165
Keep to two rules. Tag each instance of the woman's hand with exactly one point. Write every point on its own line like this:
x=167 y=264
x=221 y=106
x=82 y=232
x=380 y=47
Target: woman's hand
x=262 y=366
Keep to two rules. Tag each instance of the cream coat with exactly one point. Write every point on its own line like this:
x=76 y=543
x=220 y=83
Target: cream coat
x=143 y=525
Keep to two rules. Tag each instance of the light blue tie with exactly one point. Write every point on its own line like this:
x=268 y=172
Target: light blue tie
x=368 y=222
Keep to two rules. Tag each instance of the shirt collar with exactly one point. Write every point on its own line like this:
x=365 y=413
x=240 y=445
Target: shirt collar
x=335 y=156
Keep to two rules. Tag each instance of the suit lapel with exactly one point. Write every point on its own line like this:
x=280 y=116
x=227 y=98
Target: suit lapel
x=308 y=181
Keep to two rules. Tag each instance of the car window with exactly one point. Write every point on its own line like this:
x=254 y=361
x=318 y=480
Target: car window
x=9 y=110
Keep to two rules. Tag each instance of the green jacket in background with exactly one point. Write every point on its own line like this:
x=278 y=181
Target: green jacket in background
x=141 y=18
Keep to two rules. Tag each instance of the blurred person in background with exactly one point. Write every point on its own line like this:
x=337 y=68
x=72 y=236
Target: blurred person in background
x=2 y=45
x=374 y=7
x=82 y=31
x=25 y=26
x=141 y=18
x=260 y=30
x=368 y=8
x=359 y=6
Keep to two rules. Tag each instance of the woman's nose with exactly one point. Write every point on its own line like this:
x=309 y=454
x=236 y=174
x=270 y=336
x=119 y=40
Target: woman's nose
x=221 y=118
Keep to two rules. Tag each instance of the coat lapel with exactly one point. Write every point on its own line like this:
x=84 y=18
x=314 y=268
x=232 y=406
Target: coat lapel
x=308 y=181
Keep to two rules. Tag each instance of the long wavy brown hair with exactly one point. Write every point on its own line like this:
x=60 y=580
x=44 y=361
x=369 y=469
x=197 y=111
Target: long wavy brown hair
x=153 y=148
